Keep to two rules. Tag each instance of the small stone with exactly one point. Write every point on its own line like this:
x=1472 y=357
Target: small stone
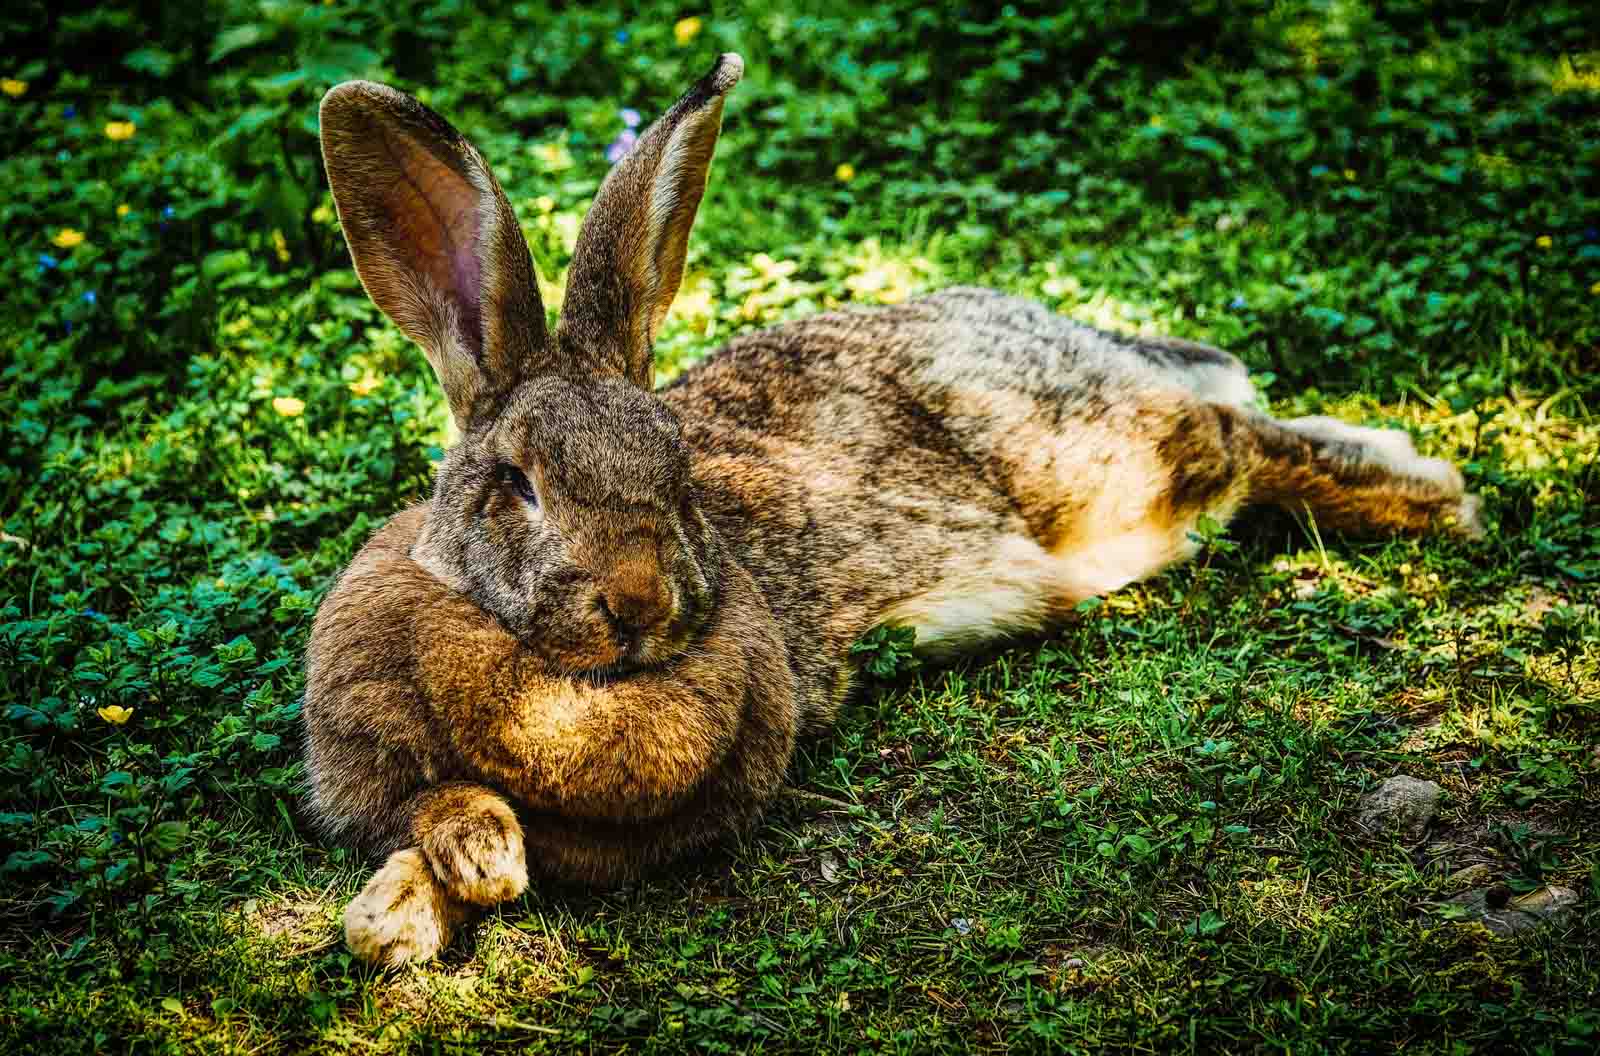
x=1075 y=962
x=1515 y=914
x=1472 y=874
x=1401 y=807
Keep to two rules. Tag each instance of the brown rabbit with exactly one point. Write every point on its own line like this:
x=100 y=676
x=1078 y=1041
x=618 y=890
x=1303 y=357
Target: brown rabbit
x=594 y=647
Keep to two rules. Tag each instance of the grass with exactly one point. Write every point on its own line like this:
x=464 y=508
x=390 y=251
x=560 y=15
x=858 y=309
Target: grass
x=1134 y=835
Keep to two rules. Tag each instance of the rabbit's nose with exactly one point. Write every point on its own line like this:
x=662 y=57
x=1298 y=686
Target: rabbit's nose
x=636 y=599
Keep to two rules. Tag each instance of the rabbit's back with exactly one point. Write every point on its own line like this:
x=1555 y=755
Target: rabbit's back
x=970 y=463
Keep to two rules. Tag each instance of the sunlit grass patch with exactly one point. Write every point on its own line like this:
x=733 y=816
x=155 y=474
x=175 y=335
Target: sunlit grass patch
x=1135 y=833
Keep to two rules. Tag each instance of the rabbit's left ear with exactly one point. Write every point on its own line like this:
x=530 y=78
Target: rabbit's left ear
x=630 y=252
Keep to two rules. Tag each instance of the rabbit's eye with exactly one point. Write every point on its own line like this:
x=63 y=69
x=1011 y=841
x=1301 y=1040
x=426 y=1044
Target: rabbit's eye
x=506 y=473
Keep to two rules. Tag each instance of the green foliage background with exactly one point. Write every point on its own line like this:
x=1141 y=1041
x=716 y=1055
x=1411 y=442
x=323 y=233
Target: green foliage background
x=1135 y=834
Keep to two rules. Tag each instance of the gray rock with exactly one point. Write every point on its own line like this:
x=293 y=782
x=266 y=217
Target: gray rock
x=1472 y=874
x=1511 y=916
x=1401 y=807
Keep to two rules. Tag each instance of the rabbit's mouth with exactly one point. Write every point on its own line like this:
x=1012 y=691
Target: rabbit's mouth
x=658 y=650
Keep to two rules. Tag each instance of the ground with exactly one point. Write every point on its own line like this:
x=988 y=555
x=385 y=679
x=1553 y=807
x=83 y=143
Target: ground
x=1137 y=834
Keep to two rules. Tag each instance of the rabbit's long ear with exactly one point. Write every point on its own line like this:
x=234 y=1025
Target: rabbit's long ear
x=434 y=240
x=629 y=258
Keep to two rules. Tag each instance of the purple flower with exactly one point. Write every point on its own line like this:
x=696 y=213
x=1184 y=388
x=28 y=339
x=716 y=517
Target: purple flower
x=622 y=146
x=46 y=262
x=622 y=36
x=630 y=117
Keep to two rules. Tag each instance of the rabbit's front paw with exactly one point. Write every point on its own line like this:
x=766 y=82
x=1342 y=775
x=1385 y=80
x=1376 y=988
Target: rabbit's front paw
x=401 y=915
x=477 y=854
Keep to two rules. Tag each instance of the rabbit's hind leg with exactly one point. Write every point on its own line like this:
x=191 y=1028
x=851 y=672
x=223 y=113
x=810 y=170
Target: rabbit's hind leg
x=469 y=854
x=1358 y=480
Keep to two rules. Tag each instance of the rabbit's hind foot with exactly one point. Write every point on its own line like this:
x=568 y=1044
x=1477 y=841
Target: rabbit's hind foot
x=403 y=914
x=1361 y=480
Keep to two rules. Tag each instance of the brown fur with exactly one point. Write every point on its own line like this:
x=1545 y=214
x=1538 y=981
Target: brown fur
x=595 y=646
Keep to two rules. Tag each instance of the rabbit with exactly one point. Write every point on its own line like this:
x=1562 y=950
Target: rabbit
x=594 y=647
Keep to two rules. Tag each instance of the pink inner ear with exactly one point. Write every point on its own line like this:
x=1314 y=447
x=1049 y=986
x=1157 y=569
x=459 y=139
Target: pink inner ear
x=438 y=214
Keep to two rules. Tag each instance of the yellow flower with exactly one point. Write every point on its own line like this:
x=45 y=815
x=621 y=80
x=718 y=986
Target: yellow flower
x=1595 y=289
x=13 y=87
x=553 y=156
x=120 y=130
x=288 y=406
x=845 y=173
x=67 y=237
x=115 y=714
x=1350 y=174
x=280 y=246
x=123 y=210
x=1405 y=568
x=686 y=30
x=322 y=214
x=1544 y=242
x=367 y=383
x=545 y=203
x=1156 y=121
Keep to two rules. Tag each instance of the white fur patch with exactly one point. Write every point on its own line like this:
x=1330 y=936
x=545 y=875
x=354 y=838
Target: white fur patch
x=1017 y=586
x=1390 y=448
x=1003 y=592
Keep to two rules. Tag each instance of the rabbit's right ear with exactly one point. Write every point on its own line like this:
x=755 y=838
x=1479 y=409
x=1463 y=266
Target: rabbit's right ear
x=631 y=248
x=434 y=240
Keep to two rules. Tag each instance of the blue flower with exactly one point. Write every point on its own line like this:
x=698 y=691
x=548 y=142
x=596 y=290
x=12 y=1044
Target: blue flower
x=69 y=326
x=1319 y=170
x=168 y=212
x=1237 y=302
x=630 y=117
x=1591 y=234
x=622 y=36
x=46 y=262
x=622 y=146
x=89 y=297
x=69 y=111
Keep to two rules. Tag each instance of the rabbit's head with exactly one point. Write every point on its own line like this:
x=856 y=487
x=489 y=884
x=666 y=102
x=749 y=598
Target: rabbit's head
x=566 y=509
